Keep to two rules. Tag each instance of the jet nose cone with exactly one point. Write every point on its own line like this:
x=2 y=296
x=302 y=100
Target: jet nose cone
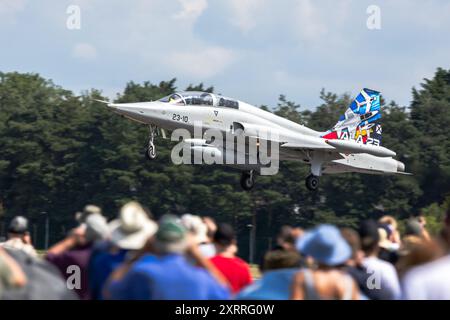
x=400 y=166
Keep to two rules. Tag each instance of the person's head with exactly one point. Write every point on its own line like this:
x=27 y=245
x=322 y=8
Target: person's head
x=416 y=251
x=224 y=236
x=285 y=238
x=325 y=245
x=391 y=226
x=389 y=220
x=171 y=237
x=368 y=233
x=353 y=240
x=196 y=228
x=133 y=227
x=422 y=220
x=96 y=228
x=280 y=259
x=18 y=227
x=89 y=209
x=413 y=227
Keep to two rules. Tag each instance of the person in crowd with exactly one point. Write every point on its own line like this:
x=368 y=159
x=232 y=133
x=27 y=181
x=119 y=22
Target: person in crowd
x=164 y=272
x=43 y=280
x=329 y=250
x=388 y=250
x=286 y=238
x=19 y=236
x=384 y=275
x=236 y=270
x=416 y=227
x=198 y=230
x=11 y=274
x=423 y=223
x=279 y=268
x=76 y=248
x=391 y=225
x=430 y=281
x=417 y=246
x=357 y=270
x=208 y=249
x=128 y=234
x=416 y=250
x=88 y=209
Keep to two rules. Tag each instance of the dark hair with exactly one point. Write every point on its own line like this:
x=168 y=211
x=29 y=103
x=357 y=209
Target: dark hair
x=285 y=235
x=224 y=235
x=368 y=233
x=281 y=259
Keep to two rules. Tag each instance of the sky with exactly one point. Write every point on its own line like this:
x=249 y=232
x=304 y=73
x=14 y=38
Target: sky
x=252 y=50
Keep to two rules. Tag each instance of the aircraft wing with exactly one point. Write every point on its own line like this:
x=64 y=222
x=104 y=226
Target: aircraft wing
x=307 y=146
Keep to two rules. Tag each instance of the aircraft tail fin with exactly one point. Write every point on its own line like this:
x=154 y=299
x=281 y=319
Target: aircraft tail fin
x=361 y=120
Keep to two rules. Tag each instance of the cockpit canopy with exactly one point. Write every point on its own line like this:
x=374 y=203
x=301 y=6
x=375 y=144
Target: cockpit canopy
x=197 y=98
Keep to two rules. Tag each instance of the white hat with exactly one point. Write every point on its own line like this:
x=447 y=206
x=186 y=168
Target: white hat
x=133 y=227
x=196 y=227
x=96 y=227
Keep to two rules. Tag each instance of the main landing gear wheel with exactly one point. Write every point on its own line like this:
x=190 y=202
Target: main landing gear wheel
x=312 y=182
x=150 y=153
x=247 y=180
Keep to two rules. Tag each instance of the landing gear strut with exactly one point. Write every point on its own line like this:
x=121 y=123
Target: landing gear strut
x=247 y=180
x=150 y=153
x=312 y=182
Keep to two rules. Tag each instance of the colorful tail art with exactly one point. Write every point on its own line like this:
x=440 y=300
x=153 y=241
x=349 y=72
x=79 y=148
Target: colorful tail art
x=361 y=121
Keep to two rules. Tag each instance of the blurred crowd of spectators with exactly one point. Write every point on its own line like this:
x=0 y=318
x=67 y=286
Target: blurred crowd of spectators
x=192 y=257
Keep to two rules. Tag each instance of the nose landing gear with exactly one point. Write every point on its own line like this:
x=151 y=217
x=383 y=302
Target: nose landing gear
x=150 y=153
x=247 y=180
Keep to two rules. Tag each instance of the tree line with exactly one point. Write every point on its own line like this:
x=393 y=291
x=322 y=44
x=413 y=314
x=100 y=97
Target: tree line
x=60 y=151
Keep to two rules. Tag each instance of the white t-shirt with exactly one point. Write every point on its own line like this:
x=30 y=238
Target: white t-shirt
x=17 y=244
x=384 y=274
x=428 y=281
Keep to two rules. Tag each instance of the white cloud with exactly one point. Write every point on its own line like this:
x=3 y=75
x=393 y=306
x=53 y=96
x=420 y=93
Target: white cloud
x=245 y=13
x=84 y=51
x=309 y=24
x=9 y=9
x=192 y=9
x=11 y=6
x=201 y=64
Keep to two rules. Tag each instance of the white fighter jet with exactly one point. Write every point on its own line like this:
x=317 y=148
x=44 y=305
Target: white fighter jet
x=352 y=145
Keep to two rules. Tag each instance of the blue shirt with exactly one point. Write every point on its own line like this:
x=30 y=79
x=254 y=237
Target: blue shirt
x=169 y=277
x=274 y=285
x=104 y=260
